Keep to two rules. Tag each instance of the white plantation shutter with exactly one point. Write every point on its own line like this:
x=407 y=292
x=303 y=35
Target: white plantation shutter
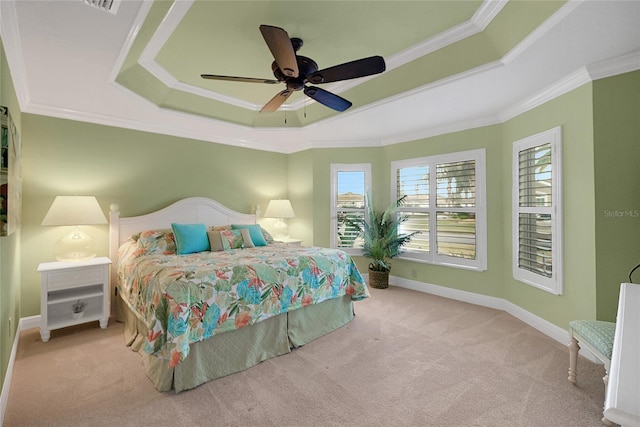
x=537 y=225
x=456 y=184
x=457 y=194
x=413 y=182
x=534 y=220
x=445 y=204
x=534 y=247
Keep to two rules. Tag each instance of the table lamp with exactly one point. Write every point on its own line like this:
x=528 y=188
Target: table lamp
x=75 y=211
x=280 y=209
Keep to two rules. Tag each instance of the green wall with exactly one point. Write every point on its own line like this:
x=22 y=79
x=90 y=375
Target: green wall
x=139 y=171
x=486 y=282
x=300 y=167
x=616 y=102
x=9 y=245
x=573 y=112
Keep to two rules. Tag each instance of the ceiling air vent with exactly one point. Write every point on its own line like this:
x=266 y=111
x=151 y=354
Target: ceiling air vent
x=110 y=6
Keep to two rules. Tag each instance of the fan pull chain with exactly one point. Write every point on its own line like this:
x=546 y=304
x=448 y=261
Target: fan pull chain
x=305 y=108
x=285 y=115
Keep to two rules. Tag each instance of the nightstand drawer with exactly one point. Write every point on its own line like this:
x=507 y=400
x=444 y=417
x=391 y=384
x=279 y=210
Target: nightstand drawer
x=81 y=276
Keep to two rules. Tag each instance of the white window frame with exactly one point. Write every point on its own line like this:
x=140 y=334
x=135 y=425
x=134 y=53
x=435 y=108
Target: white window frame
x=432 y=257
x=553 y=284
x=346 y=167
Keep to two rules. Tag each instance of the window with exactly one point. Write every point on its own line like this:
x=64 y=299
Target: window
x=349 y=185
x=445 y=203
x=537 y=234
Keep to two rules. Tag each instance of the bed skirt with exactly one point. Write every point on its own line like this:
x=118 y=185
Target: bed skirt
x=235 y=351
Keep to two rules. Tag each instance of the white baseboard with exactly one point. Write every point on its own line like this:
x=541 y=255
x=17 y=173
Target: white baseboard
x=553 y=331
x=23 y=324
x=29 y=322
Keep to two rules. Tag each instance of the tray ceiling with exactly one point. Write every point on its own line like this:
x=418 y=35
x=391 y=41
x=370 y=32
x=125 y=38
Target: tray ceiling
x=450 y=64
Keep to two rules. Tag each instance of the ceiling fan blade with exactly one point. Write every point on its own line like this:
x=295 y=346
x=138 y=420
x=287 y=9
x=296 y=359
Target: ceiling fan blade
x=276 y=101
x=349 y=70
x=281 y=48
x=326 y=98
x=238 y=79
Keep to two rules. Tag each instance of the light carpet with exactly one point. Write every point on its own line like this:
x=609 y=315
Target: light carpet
x=407 y=359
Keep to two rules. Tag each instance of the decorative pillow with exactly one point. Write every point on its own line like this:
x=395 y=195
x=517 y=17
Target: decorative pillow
x=157 y=241
x=247 y=241
x=267 y=237
x=190 y=238
x=231 y=239
x=254 y=230
x=215 y=240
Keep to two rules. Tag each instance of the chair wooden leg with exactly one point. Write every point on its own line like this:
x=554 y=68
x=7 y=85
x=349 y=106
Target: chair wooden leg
x=573 y=360
x=605 y=379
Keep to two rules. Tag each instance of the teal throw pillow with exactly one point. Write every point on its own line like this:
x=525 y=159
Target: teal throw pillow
x=190 y=238
x=254 y=231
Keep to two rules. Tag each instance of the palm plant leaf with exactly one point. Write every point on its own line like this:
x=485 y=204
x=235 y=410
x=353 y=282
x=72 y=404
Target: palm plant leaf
x=379 y=231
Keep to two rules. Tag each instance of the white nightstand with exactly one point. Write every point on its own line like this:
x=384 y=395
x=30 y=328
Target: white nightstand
x=62 y=284
x=288 y=241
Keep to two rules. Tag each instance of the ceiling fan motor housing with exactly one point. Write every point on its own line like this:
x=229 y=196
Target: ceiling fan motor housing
x=306 y=66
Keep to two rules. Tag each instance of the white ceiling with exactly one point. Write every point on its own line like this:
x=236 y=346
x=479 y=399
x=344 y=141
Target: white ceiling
x=64 y=61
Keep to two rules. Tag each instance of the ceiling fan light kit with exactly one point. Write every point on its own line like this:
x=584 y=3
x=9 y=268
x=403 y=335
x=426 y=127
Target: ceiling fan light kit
x=295 y=71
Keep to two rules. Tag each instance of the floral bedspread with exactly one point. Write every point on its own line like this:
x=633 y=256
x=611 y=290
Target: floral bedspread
x=188 y=298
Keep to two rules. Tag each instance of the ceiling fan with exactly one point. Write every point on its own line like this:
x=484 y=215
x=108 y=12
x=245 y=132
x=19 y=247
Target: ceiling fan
x=296 y=71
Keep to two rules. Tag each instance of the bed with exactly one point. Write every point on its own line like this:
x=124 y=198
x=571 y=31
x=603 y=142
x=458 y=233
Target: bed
x=198 y=311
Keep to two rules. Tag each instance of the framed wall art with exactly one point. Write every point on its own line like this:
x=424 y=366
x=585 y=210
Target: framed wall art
x=10 y=175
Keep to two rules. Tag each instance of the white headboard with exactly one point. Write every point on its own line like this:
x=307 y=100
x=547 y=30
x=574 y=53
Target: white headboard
x=186 y=211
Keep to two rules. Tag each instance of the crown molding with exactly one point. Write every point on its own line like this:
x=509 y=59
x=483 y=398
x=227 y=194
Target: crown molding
x=13 y=50
x=487 y=11
x=174 y=16
x=443 y=130
x=615 y=66
x=590 y=73
x=172 y=19
x=560 y=15
x=131 y=37
x=191 y=126
x=565 y=85
x=288 y=140
x=419 y=50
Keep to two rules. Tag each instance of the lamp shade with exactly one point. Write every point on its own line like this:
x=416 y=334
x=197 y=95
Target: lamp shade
x=279 y=209
x=74 y=210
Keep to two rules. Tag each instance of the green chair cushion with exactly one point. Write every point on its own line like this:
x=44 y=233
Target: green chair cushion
x=598 y=333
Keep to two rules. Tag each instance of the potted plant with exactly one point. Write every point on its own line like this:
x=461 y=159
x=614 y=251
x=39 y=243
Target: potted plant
x=382 y=242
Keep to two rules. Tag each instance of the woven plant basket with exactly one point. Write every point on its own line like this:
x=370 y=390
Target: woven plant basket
x=378 y=279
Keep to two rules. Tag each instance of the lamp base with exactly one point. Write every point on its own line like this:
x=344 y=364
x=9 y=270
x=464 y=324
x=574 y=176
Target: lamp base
x=280 y=229
x=77 y=246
